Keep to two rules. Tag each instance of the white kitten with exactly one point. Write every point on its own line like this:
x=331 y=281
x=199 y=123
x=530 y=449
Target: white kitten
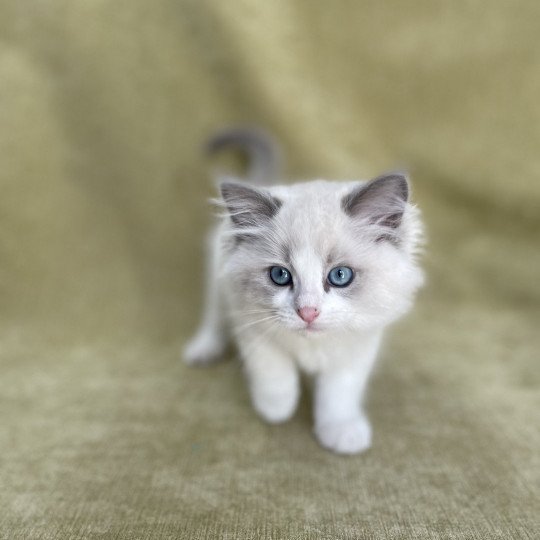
x=307 y=276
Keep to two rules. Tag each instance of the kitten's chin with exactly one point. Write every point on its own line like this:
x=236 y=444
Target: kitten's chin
x=318 y=329
x=310 y=330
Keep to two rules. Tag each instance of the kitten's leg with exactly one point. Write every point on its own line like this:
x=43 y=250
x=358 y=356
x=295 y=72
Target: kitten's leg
x=340 y=423
x=210 y=341
x=273 y=380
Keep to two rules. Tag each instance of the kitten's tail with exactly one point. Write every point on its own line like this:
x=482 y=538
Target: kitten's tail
x=261 y=149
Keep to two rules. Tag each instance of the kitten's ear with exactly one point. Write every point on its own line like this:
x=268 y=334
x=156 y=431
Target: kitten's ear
x=248 y=206
x=381 y=201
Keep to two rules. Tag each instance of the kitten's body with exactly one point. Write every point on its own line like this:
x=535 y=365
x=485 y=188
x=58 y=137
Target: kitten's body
x=309 y=229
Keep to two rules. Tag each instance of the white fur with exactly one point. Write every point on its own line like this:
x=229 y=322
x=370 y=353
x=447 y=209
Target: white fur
x=340 y=347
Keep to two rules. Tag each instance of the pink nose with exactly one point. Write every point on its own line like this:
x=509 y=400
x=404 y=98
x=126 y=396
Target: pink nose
x=308 y=314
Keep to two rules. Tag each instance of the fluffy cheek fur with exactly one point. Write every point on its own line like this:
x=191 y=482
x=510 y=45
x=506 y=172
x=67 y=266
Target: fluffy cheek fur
x=248 y=288
x=388 y=283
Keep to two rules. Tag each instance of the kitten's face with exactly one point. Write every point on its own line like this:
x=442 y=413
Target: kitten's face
x=321 y=257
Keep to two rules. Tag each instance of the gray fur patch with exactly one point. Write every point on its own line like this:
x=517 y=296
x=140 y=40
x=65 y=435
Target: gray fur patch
x=248 y=206
x=262 y=150
x=382 y=200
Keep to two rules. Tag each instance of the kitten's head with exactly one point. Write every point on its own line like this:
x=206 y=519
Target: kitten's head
x=322 y=256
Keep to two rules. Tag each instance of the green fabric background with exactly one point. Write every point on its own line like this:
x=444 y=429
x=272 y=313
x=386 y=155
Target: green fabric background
x=103 y=108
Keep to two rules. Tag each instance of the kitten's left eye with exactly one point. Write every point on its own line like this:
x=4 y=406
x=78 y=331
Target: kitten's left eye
x=340 y=276
x=280 y=275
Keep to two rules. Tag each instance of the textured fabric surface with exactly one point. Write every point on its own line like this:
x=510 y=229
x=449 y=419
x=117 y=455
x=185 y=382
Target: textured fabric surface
x=103 y=108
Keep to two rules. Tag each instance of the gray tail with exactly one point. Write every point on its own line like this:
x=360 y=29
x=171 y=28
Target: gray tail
x=260 y=148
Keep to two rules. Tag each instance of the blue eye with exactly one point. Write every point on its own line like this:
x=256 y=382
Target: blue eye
x=280 y=276
x=340 y=276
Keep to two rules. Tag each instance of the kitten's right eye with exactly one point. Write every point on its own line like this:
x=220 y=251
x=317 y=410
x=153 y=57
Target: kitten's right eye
x=280 y=276
x=340 y=276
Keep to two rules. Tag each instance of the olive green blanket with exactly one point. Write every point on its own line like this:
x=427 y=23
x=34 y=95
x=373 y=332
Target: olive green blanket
x=104 y=433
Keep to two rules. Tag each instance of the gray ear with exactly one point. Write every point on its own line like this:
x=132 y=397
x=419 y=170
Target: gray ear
x=382 y=200
x=248 y=206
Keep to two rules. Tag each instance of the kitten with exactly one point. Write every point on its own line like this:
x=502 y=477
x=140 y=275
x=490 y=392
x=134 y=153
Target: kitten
x=306 y=277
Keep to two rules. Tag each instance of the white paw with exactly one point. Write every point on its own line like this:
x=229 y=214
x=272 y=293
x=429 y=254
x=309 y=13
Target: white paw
x=204 y=348
x=345 y=437
x=275 y=407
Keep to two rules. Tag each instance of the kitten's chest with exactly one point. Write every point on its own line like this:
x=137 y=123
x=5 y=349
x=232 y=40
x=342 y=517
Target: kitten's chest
x=315 y=355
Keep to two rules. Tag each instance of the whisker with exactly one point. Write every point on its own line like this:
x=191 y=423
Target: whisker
x=253 y=323
x=250 y=311
x=260 y=339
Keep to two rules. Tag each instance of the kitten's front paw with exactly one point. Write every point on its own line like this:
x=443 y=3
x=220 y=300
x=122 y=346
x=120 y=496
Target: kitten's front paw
x=275 y=405
x=203 y=349
x=275 y=410
x=345 y=437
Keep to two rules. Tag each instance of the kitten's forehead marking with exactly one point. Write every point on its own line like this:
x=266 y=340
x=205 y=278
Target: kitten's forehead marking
x=285 y=253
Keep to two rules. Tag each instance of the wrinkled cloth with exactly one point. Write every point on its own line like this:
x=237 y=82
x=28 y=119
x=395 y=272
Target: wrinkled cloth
x=104 y=106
